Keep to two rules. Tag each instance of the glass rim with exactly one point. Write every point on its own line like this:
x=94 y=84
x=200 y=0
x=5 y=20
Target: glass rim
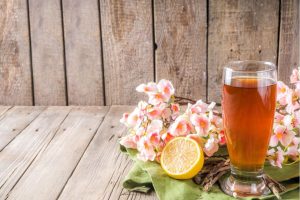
x=271 y=66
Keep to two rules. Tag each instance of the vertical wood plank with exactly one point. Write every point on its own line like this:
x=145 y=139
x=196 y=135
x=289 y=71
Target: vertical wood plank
x=48 y=174
x=15 y=72
x=127 y=48
x=288 y=57
x=180 y=34
x=47 y=52
x=239 y=30
x=83 y=52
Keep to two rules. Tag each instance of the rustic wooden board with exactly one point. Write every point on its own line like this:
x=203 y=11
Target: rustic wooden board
x=289 y=45
x=127 y=48
x=239 y=30
x=48 y=174
x=20 y=153
x=98 y=173
x=4 y=109
x=180 y=34
x=114 y=189
x=15 y=66
x=14 y=121
x=47 y=52
x=83 y=52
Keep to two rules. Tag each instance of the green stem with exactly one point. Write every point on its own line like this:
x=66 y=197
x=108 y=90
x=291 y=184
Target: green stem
x=287 y=164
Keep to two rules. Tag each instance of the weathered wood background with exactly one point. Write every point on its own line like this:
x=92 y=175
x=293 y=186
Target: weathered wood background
x=95 y=52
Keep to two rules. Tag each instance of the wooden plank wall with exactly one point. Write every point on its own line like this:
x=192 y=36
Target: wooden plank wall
x=239 y=30
x=95 y=52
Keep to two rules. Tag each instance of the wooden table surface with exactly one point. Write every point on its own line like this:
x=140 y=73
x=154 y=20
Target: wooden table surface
x=63 y=153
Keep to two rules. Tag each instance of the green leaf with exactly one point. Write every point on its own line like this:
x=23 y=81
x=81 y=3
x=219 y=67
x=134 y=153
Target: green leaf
x=145 y=175
x=138 y=180
x=282 y=174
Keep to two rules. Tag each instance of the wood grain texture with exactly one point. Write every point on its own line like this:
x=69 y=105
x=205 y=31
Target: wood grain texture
x=180 y=34
x=98 y=173
x=14 y=121
x=4 y=109
x=47 y=52
x=289 y=45
x=239 y=30
x=114 y=189
x=48 y=174
x=15 y=72
x=127 y=48
x=19 y=154
x=83 y=52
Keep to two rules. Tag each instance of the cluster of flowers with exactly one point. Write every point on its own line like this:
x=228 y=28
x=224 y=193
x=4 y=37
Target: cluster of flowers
x=152 y=124
x=284 y=144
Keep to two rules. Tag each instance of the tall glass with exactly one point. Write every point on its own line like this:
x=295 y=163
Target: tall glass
x=248 y=104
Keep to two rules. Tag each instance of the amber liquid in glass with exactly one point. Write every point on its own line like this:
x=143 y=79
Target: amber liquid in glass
x=248 y=109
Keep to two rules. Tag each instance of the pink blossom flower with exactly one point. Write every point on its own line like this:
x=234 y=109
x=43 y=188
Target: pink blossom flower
x=155 y=126
x=124 y=118
x=281 y=135
x=156 y=98
x=154 y=113
x=288 y=122
x=211 y=106
x=211 y=146
x=167 y=137
x=142 y=106
x=146 y=150
x=158 y=93
x=282 y=91
x=154 y=138
x=199 y=107
x=297 y=119
x=295 y=76
x=166 y=88
x=181 y=126
x=129 y=141
x=222 y=138
x=293 y=149
x=175 y=107
x=278 y=118
x=164 y=92
x=297 y=89
x=139 y=131
x=201 y=124
x=147 y=88
x=292 y=101
x=276 y=158
x=165 y=109
x=167 y=114
x=133 y=118
x=215 y=120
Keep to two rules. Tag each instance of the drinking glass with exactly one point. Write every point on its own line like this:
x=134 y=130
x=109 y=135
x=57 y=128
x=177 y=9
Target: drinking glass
x=248 y=105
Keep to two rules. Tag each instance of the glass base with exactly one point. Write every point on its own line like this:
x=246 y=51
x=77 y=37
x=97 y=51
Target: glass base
x=244 y=184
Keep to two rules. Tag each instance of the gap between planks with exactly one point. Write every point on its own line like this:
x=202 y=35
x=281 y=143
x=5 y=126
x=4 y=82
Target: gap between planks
x=19 y=154
x=102 y=168
x=14 y=121
x=61 y=155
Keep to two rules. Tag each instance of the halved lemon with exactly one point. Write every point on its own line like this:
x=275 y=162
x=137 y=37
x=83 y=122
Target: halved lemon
x=182 y=158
